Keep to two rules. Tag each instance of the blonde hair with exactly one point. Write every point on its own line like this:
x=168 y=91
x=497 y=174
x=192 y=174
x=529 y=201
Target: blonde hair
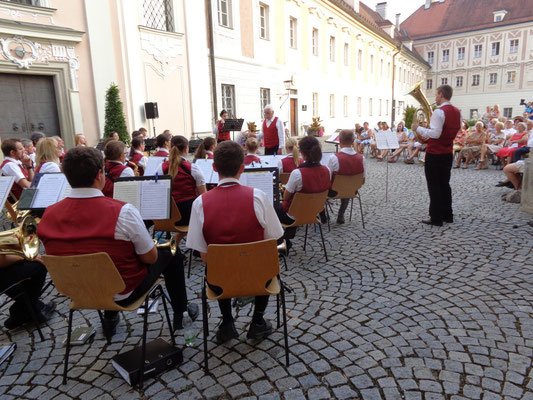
x=78 y=139
x=499 y=125
x=292 y=145
x=251 y=145
x=46 y=151
x=178 y=144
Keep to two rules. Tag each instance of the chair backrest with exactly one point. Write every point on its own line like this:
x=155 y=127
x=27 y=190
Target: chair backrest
x=89 y=280
x=243 y=270
x=306 y=206
x=284 y=177
x=168 y=225
x=347 y=186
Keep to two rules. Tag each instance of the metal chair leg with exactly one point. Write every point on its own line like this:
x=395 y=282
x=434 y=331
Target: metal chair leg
x=67 y=350
x=327 y=216
x=162 y=294
x=305 y=239
x=143 y=347
x=323 y=243
x=32 y=313
x=351 y=208
x=204 y=316
x=277 y=309
x=361 y=208
x=190 y=262
x=286 y=339
x=107 y=337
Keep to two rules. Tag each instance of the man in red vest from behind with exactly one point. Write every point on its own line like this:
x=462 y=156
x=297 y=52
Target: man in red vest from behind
x=17 y=164
x=443 y=127
x=272 y=132
x=88 y=222
x=345 y=162
x=248 y=217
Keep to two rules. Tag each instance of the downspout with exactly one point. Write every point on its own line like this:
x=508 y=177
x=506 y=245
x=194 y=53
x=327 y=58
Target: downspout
x=212 y=59
x=393 y=113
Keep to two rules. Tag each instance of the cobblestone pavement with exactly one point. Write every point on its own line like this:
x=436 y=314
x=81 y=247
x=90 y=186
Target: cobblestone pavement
x=400 y=311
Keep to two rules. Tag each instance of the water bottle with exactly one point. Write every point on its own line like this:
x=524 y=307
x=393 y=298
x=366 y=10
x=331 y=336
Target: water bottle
x=189 y=333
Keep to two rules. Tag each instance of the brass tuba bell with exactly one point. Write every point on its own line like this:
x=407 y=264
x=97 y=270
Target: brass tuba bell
x=21 y=241
x=424 y=112
x=172 y=245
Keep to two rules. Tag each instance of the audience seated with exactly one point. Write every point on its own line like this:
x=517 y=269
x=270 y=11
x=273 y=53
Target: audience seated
x=472 y=149
x=403 y=141
x=493 y=144
x=517 y=140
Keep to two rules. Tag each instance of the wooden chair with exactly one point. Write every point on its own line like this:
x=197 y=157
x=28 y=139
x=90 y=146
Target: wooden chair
x=91 y=281
x=284 y=177
x=305 y=208
x=347 y=187
x=243 y=270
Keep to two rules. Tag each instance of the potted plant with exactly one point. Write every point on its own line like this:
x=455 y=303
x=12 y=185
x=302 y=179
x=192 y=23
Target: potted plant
x=251 y=132
x=315 y=129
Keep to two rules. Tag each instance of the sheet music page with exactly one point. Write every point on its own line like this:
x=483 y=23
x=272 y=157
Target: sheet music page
x=49 y=190
x=381 y=140
x=127 y=191
x=334 y=138
x=392 y=140
x=155 y=199
x=271 y=161
x=66 y=191
x=5 y=186
x=325 y=158
x=259 y=180
x=206 y=166
x=153 y=164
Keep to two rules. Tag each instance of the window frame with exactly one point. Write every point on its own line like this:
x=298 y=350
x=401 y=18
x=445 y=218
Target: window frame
x=315 y=41
x=495 y=50
x=315 y=105
x=430 y=57
x=264 y=101
x=346 y=54
x=513 y=48
x=232 y=108
x=229 y=13
x=446 y=55
x=444 y=81
x=293 y=33
x=429 y=84
x=360 y=60
x=508 y=112
x=332 y=106
x=332 y=48
x=345 y=106
x=461 y=54
x=459 y=79
x=513 y=74
x=493 y=78
x=264 y=21
x=153 y=19
x=478 y=50
x=476 y=78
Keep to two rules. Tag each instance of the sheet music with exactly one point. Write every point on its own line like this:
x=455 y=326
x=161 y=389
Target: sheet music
x=325 y=158
x=49 y=189
x=206 y=166
x=67 y=189
x=392 y=140
x=155 y=199
x=271 y=161
x=5 y=186
x=386 y=140
x=153 y=164
x=334 y=138
x=259 y=180
x=128 y=192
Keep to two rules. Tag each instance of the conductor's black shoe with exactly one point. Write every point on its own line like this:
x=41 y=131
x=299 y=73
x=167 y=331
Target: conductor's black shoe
x=225 y=333
x=509 y=185
x=501 y=184
x=259 y=330
x=192 y=309
x=430 y=222
x=448 y=220
x=109 y=325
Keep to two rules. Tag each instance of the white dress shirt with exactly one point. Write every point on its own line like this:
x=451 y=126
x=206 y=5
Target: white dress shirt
x=281 y=131
x=32 y=157
x=196 y=173
x=13 y=168
x=333 y=161
x=264 y=211
x=157 y=149
x=49 y=167
x=143 y=161
x=530 y=140
x=295 y=183
x=435 y=125
x=126 y=172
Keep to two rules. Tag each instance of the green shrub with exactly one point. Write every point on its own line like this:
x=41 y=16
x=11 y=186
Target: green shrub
x=114 y=115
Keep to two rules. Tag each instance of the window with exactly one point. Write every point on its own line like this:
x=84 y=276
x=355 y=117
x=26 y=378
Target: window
x=346 y=53
x=332 y=105
x=461 y=53
x=495 y=49
x=263 y=21
x=359 y=101
x=370 y=107
x=444 y=81
x=493 y=78
x=445 y=55
x=157 y=14
x=429 y=84
x=36 y=3
x=315 y=104
x=499 y=15
x=381 y=68
x=360 y=60
x=459 y=81
x=386 y=107
x=292 y=33
x=388 y=70
x=264 y=93
x=228 y=99
x=513 y=48
x=332 y=48
x=380 y=111
x=345 y=106
x=478 y=49
x=372 y=64
x=511 y=77
x=400 y=74
x=224 y=13
x=508 y=112
x=473 y=111
x=315 y=41
x=475 y=80
x=431 y=57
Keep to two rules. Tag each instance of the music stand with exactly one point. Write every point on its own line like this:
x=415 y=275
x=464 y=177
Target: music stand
x=149 y=145
x=233 y=125
x=100 y=145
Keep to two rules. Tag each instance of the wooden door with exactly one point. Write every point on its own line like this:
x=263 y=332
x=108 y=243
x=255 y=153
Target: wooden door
x=27 y=105
x=294 y=117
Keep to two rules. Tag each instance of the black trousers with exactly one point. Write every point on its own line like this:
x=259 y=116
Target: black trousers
x=438 y=170
x=185 y=208
x=270 y=151
x=518 y=153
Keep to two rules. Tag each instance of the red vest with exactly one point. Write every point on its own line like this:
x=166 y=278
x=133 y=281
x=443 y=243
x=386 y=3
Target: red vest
x=161 y=153
x=452 y=125
x=82 y=226
x=16 y=189
x=184 y=185
x=38 y=169
x=239 y=224
x=113 y=171
x=270 y=134
x=289 y=165
x=210 y=156
x=349 y=164
x=314 y=180
x=250 y=158
x=222 y=135
x=135 y=159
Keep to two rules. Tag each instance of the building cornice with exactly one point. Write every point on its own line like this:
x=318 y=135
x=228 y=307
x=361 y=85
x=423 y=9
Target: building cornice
x=26 y=29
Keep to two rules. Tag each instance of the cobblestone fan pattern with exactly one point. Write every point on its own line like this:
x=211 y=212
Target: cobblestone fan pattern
x=401 y=311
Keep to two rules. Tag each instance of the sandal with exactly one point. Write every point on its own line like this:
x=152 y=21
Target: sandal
x=456 y=166
x=465 y=166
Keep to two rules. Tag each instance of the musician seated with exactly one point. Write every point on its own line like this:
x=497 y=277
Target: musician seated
x=115 y=157
x=293 y=159
x=29 y=148
x=188 y=180
x=247 y=216
x=17 y=164
x=88 y=222
x=205 y=149
x=251 y=146
x=47 y=158
x=13 y=269
x=137 y=153
x=345 y=162
x=162 y=143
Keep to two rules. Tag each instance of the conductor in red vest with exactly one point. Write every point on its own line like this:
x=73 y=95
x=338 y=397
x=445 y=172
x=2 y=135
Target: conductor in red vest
x=272 y=132
x=444 y=125
x=346 y=162
x=88 y=222
x=231 y=214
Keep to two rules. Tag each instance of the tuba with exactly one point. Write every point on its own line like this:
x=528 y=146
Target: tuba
x=13 y=214
x=424 y=112
x=172 y=245
x=21 y=241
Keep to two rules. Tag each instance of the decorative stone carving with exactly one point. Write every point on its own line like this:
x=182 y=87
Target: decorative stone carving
x=23 y=52
x=11 y=11
x=163 y=49
x=74 y=65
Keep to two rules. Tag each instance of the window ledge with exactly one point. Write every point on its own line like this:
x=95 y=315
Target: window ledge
x=146 y=29
x=46 y=11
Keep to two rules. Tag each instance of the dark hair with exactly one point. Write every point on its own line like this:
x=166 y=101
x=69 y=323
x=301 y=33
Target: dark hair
x=142 y=129
x=178 y=145
x=446 y=91
x=229 y=157
x=134 y=134
x=206 y=144
x=310 y=149
x=161 y=139
x=35 y=137
x=223 y=112
x=114 y=149
x=9 y=145
x=346 y=137
x=81 y=165
x=136 y=142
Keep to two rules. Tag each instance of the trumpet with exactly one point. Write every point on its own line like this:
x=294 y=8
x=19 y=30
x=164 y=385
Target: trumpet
x=172 y=245
x=21 y=241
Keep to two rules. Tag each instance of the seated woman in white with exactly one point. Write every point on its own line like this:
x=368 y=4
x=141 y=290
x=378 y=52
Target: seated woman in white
x=47 y=156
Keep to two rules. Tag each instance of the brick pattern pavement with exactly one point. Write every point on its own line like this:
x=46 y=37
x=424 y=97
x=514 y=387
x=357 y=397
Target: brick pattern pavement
x=400 y=311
